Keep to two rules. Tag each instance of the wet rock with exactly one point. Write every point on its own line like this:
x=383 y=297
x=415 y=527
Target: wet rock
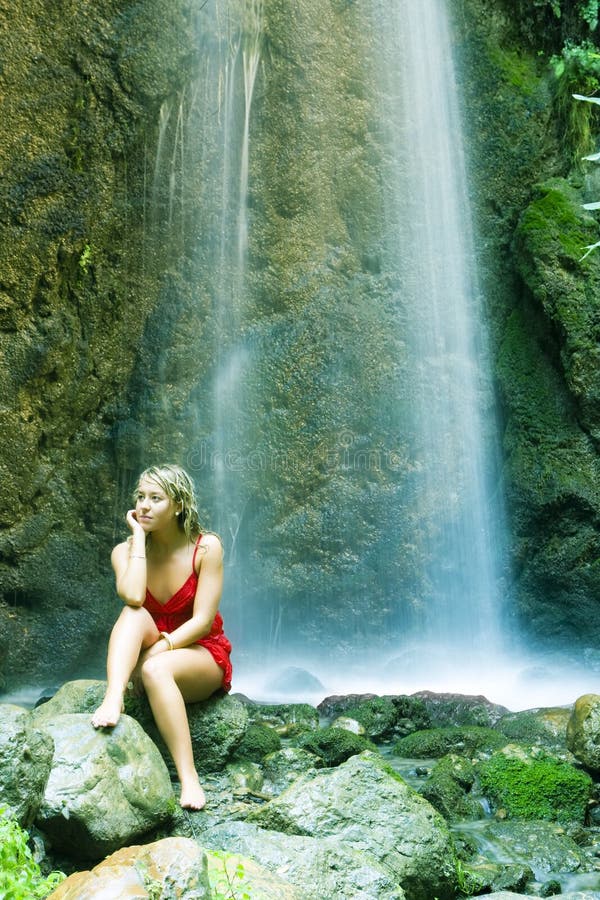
x=25 y=761
x=288 y=719
x=334 y=745
x=257 y=742
x=106 y=787
x=217 y=726
x=367 y=806
x=583 y=731
x=448 y=786
x=529 y=786
x=80 y=696
x=175 y=867
x=437 y=742
x=460 y=709
x=281 y=769
x=546 y=726
x=319 y=868
x=348 y=724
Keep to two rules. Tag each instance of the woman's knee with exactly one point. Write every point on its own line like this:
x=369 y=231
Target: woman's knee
x=153 y=671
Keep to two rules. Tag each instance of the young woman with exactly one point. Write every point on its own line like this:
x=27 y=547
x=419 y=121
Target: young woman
x=169 y=633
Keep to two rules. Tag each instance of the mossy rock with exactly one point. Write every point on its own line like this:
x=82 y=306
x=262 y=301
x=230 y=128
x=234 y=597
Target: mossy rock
x=540 y=787
x=334 y=745
x=378 y=717
x=546 y=727
x=448 y=786
x=437 y=742
x=287 y=719
x=258 y=742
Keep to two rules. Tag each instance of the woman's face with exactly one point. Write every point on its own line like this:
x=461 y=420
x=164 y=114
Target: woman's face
x=153 y=508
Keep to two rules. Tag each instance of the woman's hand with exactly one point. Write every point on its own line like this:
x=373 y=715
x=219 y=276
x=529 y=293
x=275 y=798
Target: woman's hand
x=133 y=523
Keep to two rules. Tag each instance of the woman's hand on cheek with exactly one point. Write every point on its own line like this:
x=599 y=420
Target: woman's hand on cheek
x=132 y=521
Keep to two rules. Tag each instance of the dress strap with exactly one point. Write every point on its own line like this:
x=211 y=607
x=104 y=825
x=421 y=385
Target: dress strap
x=199 y=538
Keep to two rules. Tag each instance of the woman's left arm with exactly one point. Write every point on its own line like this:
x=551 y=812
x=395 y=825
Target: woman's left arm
x=208 y=593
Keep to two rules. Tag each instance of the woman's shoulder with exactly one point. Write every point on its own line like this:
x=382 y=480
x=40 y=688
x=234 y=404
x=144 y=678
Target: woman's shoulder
x=211 y=541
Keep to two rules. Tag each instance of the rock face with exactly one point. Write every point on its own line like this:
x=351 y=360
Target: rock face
x=583 y=731
x=113 y=295
x=364 y=804
x=106 y=788
x=81 y=271
x=25 y=761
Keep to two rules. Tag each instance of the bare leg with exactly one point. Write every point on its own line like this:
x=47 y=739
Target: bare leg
x=133 y=630
x=171 y=679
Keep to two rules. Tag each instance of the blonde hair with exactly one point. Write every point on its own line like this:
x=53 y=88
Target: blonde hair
x=179 y=487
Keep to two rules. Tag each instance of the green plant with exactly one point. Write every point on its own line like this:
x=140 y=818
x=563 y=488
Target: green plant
x=20 y=875
x=592 y=157
x=576 y=71
x=228 y=879
x=85 y=258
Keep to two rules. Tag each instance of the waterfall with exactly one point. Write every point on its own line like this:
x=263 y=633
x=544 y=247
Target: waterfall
x=458 y=621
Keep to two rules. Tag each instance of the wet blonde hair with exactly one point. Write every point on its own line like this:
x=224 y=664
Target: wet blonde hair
x=179 y=487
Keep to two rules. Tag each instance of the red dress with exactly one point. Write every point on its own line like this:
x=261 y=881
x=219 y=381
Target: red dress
x=179 y=608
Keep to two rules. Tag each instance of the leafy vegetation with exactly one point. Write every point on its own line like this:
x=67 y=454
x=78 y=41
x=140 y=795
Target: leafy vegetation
x=577 y=72
x=227 y=876
x=20 y=875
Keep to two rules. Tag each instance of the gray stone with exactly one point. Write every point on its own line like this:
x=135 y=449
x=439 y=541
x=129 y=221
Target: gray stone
x=81 y=696
x=106 y=787
x=365 y=805
x=25 y=761
x=320 y=868
x=583 y=731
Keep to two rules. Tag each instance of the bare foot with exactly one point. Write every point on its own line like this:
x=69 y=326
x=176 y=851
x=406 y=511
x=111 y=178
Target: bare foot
x=192 y=795
x=108 y=713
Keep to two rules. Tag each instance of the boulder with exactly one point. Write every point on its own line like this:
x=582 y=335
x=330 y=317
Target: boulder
x=25 y=762
x=583 y=731
x=319 y=867
x=232 y=876
x=288 y=719
x=436 y=742
x=527 y=786
x=285 y=766
x=460 y=709
x=366 y=806
x=448 y=787
x=217 y=726
x=106 y=787
x=546 y=726
x=175 y=867
x=81 y=696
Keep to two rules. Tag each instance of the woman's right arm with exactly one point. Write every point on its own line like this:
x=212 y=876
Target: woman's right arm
x=129 y=563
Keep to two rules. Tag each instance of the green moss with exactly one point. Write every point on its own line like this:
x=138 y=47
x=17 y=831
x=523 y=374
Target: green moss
x=554 y=221
x=541 y=788
x=258 y=741
x=436 y=742
x=518 y=69
x=377 y=716
x=334 y=745
x=448 y=786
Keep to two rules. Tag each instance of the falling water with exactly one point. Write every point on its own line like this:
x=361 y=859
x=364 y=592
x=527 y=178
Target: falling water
x=459 y=619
